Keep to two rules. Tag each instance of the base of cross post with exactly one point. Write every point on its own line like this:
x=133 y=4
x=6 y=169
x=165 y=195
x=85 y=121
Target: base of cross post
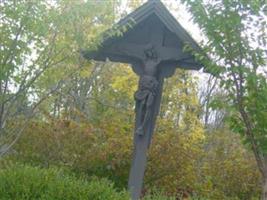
x=141 y=146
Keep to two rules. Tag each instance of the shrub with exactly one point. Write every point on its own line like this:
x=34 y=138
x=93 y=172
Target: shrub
x=96 y=151
x=20 y=182
x=228 y=170
x=180 y=163
x=105 y=151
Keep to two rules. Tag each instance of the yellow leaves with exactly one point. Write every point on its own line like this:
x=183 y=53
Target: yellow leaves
x=171 y=161
x=134 y=4
x=197 y=135
x=86 y=71
x=228 y=168
x=213 y=166
x=124 y=81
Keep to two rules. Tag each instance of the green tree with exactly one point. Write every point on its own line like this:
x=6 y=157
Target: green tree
x=236 y=41
x=227 y=169
x=27 y=50
x=40 y=56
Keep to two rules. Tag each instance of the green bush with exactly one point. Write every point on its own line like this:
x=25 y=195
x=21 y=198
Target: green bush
x=24 y=183
x=214 y=167
x=105 y=151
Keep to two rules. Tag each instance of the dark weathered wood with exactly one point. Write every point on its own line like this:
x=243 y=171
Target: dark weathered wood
x=137 y=51
x=141 y=145
x=154 y=48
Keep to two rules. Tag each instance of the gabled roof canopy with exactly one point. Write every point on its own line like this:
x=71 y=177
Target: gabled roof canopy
x=153 y=26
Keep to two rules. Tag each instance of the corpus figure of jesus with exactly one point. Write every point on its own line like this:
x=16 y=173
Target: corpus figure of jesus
x=147 y=90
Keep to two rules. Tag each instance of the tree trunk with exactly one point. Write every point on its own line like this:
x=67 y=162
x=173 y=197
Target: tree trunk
x=264 y=179
x=264 y=189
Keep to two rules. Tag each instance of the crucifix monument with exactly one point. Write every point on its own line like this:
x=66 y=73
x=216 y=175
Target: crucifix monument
x=154 y=48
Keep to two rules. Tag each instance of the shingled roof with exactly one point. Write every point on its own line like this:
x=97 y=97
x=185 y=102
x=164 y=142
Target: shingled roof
x=157 y=7
x=157 y=13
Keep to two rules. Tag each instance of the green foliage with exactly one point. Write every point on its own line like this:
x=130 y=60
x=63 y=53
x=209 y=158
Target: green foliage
x=236 y=42
x=95 y=151
x=229 y=171
x=27 y=183
x=180 y=164
x=102 y=145
x=255 y=103
x=86 y=125
x=157 y=196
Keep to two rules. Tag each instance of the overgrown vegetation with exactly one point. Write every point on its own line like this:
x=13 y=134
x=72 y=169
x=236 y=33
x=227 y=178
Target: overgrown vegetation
x=67 y=123
x=180 y=164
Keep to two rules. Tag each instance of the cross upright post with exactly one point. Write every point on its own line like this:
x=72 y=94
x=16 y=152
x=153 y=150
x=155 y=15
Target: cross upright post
x=147 y=97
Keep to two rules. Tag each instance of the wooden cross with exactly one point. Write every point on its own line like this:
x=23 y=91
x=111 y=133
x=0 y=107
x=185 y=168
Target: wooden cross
x=150 y=56
x=153 y=59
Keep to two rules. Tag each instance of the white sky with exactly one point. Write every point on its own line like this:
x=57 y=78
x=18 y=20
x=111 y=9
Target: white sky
x=178 y=10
